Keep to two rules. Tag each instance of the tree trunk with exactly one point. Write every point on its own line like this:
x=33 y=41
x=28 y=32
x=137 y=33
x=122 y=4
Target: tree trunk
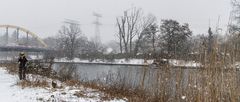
x=126 y=47
x=153 y=44
x=120 y=44
x=136 y=47
x=130 y=47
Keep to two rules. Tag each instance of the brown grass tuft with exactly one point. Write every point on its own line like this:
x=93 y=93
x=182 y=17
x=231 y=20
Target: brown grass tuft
x=35 y=83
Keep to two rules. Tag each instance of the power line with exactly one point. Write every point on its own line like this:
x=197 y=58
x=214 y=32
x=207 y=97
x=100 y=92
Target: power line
x=70 y=21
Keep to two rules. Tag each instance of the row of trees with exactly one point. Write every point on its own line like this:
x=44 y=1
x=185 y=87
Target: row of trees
x=70 y=42
x=138 y=34
x=142 y=34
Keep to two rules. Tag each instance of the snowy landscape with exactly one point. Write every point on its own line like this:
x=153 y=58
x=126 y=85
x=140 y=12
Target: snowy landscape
x=120 y=51
x=11 y=92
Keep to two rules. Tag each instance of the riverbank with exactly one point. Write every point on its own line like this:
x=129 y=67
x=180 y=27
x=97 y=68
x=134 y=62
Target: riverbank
x=38 y=88
x=131 y=62
x=137 y=62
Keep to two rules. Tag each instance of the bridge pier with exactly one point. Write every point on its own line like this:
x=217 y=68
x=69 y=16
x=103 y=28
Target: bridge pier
x=17 y=35
x=6 y=35
x=27 y=40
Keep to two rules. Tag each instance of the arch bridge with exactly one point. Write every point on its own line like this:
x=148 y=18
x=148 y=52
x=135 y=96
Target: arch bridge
x=17 y=47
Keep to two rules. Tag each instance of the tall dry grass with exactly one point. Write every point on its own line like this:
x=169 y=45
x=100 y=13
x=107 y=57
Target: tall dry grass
x=216 y=81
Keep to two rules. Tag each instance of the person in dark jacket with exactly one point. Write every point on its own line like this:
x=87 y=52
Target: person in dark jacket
x=22 y=66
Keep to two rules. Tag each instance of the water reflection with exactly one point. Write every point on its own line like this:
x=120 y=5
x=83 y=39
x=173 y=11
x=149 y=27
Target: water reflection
x=170 y=79
x=106 y=73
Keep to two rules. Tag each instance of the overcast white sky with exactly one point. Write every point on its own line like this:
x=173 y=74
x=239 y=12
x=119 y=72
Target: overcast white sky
x=45 y=17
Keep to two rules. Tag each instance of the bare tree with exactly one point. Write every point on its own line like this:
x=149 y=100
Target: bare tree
x=127 y=25
x=146 y=22
x=69 y=42
x=234 y=22
x=123 y=37
x=132 y=27
x=119 y=36
x=148 y=42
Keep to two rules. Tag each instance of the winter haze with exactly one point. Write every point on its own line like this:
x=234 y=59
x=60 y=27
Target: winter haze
x=45 y=17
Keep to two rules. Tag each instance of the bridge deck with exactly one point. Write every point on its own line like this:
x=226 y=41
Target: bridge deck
x=25 y=49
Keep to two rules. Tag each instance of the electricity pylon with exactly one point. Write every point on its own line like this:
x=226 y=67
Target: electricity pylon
x=97 y=27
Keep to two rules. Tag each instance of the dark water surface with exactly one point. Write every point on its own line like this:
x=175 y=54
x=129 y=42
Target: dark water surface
x=170 y=80
x=132 y=76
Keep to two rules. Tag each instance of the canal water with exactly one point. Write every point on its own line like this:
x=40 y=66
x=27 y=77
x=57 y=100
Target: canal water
x=131 y=76
x=154 y=80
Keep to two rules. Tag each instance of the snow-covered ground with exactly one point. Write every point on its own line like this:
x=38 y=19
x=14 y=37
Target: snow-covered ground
x=172 y=62
x=6 y=58
x=11 y=92
x=35 y=57
x=115 y=61
x=182 y=63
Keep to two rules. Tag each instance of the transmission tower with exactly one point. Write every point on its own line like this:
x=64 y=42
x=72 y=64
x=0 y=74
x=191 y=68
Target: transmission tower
x=97 y=27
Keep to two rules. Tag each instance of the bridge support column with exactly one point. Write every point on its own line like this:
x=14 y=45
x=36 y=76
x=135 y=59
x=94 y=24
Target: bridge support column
x=17 y=35
x=6 y=35
x=27 y=40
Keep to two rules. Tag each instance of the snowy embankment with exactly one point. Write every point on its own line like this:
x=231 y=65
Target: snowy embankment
x=115 y=61
x=11 y=92
x=173 y=62
x=183 y=63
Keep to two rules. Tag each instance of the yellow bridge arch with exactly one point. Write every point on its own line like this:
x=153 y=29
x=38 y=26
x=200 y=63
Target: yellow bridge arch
x=27 y=31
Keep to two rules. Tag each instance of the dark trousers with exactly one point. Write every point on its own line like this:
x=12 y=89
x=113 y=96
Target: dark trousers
x=22 y=73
